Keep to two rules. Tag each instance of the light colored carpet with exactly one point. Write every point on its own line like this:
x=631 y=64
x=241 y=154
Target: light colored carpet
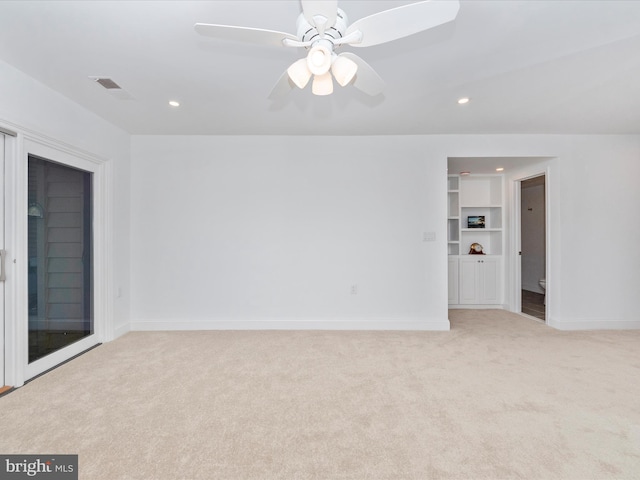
x=498 y=397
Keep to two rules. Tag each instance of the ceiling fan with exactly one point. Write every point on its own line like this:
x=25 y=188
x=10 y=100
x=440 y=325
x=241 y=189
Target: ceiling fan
x=322 y=27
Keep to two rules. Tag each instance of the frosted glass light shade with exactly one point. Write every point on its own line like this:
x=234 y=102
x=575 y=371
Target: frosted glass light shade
x=322 y=84
x=299 y=73
x=319 y=60
x=344 y=69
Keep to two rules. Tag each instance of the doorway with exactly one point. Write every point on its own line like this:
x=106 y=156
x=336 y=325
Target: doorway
x=533 y=251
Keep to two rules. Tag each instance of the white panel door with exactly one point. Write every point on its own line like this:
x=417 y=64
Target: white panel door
x=468 y=292
x=489 y=278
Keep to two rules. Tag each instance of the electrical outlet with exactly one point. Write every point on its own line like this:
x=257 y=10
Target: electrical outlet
x=354 y=289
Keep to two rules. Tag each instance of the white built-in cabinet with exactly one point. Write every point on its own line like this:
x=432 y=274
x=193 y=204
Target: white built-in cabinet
x=479 y=280
x=475 y=279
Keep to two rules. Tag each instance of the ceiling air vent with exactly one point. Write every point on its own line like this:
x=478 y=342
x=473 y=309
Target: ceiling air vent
x=107 y=83
x=112 y=88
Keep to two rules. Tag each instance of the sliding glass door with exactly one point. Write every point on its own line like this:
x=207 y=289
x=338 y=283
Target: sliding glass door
x=60 y=256
x=3 y=265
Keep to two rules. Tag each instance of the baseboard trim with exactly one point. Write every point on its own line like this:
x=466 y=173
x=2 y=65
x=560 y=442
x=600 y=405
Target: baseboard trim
x=121 y=330
x=476 y=307
x=311 y=324
x=594 y=324
x=532 y=287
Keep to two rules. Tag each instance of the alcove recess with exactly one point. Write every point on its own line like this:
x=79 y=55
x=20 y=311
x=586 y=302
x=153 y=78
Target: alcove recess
x=475 y=279
x=481 y=195
x=474 y=195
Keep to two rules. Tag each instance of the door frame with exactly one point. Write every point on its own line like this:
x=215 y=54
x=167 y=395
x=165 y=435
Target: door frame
x=516 y=258
x=4 y=266
x=8 y=345
x=17 y=367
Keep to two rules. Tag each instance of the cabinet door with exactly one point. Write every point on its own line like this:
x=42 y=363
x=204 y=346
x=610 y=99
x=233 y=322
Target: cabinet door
x=480 y=280
x=453 y=280
x=469 y=293
x=489 y=276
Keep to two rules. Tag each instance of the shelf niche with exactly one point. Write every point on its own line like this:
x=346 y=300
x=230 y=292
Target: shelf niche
x=481 y=195
x=485 y=191
x=475 y=279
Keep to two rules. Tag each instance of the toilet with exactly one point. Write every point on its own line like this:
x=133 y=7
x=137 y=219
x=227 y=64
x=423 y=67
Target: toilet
x=543 y=285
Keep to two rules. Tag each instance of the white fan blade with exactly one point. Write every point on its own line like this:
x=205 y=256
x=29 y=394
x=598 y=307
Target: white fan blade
x=282 y=87
x=403 y=21
x=366 y=79
x=321 y=14
x=244 y=34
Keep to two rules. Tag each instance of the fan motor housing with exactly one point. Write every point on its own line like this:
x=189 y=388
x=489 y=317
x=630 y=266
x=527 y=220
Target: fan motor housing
x=308 y=33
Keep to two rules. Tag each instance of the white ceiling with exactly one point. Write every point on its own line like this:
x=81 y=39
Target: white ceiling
x=529 y=67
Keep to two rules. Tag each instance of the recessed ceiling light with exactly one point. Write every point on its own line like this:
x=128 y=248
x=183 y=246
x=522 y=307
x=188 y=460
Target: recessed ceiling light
x=173 y=103
x=500 y=169
x=463 y=100
x=465 y=173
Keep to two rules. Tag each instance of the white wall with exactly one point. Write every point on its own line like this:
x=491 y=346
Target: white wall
x=227 y=231
x=598 y=197
x=29 y=107
x=272 y=232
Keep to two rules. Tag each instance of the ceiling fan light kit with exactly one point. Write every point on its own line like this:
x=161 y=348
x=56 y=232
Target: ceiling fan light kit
x=299 y=73
x=319 y=58
x=322 y=27
x=343 y=70
x=322 y=84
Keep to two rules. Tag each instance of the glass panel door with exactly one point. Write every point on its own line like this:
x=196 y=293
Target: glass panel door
x=60 y=272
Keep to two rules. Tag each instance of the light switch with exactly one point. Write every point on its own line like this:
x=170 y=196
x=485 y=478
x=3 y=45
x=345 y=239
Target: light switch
x=428 y=236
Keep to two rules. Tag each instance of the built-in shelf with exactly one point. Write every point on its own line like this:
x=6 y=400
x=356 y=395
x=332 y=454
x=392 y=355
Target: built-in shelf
x=453 y=215
x=480 y=230
x=475 y=279
x=481 y=196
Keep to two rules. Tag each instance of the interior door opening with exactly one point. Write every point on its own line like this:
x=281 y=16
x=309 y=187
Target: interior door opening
x=60 y=273
x=533 y=252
